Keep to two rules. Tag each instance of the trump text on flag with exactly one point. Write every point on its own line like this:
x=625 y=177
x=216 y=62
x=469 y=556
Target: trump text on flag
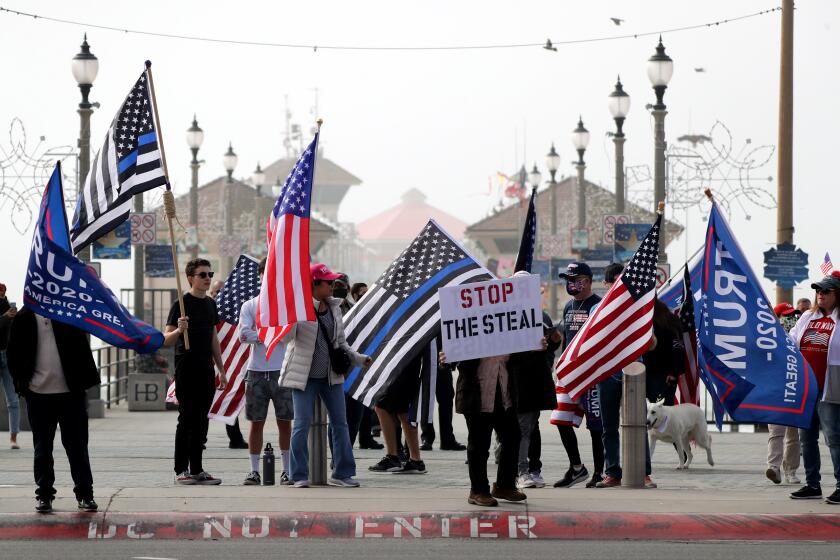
x=491 y=318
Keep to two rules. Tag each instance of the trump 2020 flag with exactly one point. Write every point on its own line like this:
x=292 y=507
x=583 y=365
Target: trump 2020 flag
x=63 y=288
x=746 y=359
x=128 y=163
x=286 y=291
x=525 y=258
x=400 y=314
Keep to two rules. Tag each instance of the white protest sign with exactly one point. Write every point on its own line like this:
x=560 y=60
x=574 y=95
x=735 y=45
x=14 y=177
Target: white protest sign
x=491 y=318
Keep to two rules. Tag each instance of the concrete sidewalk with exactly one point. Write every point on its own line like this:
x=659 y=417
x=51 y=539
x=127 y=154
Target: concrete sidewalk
x=132 y=466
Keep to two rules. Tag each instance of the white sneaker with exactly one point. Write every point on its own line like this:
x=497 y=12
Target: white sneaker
x=301 y=484
x=773 y=474
x=525 y=481
x=343 y=482
x=539 y=481
x=791 y=478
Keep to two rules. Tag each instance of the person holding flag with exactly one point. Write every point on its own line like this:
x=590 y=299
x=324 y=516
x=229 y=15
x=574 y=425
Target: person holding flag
x=64 y=299
x=816 y=335
x=195 y=380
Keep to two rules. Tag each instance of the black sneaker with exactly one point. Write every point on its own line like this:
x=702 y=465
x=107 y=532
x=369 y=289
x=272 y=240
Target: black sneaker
x=88 y=505
x=238 y=445
x=596 y=478
x=807 y=493
x=834 y=498
x=285 y=480
x=370 y=444
x=388 y=463
x=412 y=467
x=252 y=479
x=426 y=446
x=43 y=505
x=572 y=477
x=453 y=446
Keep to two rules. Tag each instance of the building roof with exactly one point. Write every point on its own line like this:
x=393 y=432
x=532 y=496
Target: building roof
x=500 y=232
x=406 y=219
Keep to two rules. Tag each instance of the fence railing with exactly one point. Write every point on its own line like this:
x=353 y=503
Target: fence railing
x=114 y=366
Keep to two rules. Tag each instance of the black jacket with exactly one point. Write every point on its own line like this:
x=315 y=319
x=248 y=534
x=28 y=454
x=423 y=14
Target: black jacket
x=5 y=323
x=533 y=375
x=468 y=389
x=80 y=371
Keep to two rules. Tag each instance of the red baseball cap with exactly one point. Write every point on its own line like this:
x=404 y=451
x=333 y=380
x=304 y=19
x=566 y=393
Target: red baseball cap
x=784 y=308
x=320 y=271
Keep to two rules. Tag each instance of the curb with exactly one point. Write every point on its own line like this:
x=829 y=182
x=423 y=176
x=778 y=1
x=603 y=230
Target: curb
x=349 y=525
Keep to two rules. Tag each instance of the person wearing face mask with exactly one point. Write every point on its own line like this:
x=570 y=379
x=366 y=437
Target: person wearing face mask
x=341 y=290
x=578 y=278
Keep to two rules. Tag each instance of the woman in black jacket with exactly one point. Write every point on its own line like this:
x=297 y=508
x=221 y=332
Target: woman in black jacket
x=534 y=379
x=666 y=362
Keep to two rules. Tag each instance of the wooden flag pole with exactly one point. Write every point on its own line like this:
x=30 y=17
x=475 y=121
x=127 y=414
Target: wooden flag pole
x=168 y=198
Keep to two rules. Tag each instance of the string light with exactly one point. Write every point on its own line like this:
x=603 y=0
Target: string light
x=542 y=44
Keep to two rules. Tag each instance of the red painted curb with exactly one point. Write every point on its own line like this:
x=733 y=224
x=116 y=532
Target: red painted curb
x=484 y=524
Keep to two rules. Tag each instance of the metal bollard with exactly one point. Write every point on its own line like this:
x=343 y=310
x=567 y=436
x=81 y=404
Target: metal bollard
x=633 y=426
x=318 y=445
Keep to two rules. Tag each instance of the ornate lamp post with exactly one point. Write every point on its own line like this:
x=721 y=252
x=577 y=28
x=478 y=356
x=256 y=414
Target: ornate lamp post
x=229 y=161
x=580 y=140
x=552 y=163
x=660 y=68
x=619 y=105
x=85 y=67
x=259 y=180
x=195 y=137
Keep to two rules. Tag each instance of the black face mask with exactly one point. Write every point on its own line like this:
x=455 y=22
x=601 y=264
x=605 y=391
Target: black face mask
x=340 y=292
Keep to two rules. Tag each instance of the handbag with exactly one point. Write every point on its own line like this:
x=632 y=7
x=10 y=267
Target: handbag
x=339 y=358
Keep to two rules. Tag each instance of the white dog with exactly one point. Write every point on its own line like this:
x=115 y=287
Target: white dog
x=678 y=425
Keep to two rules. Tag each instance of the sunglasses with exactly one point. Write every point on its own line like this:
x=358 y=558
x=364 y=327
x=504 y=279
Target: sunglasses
x=204 y=274
x=823 y=292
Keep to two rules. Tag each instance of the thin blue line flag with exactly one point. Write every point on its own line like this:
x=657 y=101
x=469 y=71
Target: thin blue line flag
x=62 y=288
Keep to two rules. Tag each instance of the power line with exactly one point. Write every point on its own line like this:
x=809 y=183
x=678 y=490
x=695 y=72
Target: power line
x=315 y=47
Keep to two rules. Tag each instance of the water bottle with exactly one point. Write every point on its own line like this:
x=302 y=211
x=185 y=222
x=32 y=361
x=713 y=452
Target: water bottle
x=268 y=465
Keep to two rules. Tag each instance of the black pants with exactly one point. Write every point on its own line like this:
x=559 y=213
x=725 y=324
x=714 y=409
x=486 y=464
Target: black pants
x=69 y=412
x=194 y=400
x=445 y=396
x=233 y=432
x=480 y=427
x=358 y=420
x=567 y=435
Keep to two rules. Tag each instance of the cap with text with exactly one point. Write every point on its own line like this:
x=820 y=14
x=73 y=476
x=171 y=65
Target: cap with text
x=575 y=269
x=319 y=271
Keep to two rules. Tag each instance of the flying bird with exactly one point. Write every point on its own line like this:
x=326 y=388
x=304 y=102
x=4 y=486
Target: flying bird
x=701 y=69
x=694 y=139
x=548 y=46
x=617 y=21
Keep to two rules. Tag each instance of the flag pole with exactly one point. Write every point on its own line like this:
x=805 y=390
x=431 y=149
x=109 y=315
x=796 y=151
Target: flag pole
x=168 y=198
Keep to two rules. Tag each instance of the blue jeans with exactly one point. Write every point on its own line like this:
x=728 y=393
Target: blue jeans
x=610 y=392
x=830 y=421
x=809 y=439
x=304 y=404
x=12 y=401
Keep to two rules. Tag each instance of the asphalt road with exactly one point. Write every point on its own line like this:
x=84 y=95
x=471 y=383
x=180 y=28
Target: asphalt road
x=390 y=549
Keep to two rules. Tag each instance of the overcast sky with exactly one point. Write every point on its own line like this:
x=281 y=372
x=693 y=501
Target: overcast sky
x=442 y=122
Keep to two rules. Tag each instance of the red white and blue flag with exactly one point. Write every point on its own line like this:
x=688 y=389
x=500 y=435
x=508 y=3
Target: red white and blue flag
x=688 y=385
x=621 y=328
x=826 y=266
x=286 y=291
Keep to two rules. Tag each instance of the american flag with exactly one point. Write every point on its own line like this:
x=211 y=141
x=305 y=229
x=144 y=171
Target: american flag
x=400 y=314
x=128 y=163
x=286 y=291
x=525 y=258
x=689 y=384
x=826 y=266
x=241 y=285
x=621 y=328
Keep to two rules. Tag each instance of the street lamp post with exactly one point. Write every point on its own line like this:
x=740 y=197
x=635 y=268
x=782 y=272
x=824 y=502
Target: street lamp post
x=258 y=180
x=195 y=137
x=85 y=67
x=552 y=163
x=229 y=161
x=619 y=105
x=660 y=68
x=580 y=140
